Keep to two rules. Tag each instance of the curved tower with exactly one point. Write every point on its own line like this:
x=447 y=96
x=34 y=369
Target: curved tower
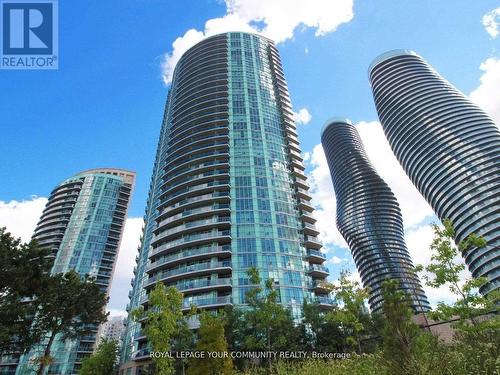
x=82 y=223
x=228 y=190
x=368 y=216
x=448 y=147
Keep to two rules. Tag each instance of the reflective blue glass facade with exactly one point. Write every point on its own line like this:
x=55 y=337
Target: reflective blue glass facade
x=449 y=148
x=82 y=223
x=368 y=217
x=228 y=189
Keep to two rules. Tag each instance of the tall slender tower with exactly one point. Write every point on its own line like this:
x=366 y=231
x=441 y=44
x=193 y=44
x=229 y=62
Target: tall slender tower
x=228 y=190
x=82 y=223
x=448 y=147
x=368 y=216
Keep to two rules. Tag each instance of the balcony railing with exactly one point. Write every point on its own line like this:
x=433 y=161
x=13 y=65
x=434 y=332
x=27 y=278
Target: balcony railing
x=200 y=251
x=187 y=270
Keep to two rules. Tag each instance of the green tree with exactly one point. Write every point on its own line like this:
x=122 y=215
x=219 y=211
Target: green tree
x=24 y=269
x=69 y=306
x=318 y=333
x=164 y=320
x=399 y=331
x=406 y=348
x=270 y=326
x=211 y=339
x=445 y=271
x=351 y=313
x=103 y=361
x=477 y=336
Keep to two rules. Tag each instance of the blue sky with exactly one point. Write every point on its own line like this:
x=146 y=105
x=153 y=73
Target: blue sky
x=103 y=106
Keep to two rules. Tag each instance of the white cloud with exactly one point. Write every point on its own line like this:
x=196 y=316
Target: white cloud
x=413 y=206
x=302 y=117
x=125 y=265
x=491 y=21
x=336 y=260
x=323 y=198
x=486 y=95
x=276 y=19
x=20 y=218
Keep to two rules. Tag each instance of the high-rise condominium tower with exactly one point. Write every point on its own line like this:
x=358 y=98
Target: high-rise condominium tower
x=448 y=147
x=368 y=216
x=228 y=190
x=82 y=223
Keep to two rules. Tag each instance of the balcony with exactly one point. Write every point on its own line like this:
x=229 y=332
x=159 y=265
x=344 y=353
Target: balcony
x=298 y=173
x=191 y=271
x=198 y=158
x=207 y=302
x=309 y=229
x=218 y=208
x=199 y=178
x=192 y=226
x=301 y=182
x=298 y=164
x=305 y=205
x=320 y=287
x=315 y=256
x=303 y=193
x=325 y=302
x=316 y=270
x=295 y=155
x=312 y=242
x=141 y=354
x=189 y=255
x=186 y=172
x=193 y=240
x=218 y=195
x=200 y=188
x=196 y=286
x=307 y=217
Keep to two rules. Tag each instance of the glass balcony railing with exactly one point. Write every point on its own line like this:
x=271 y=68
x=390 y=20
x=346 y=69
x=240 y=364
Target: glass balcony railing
x=316 y=253
x=217 y=194
x=206 y=301
x=187 y=270
x=318 y=268
x=325 y=301
x=199 y=251
x=190 y=178
x=192 y=224
x=194 y=211
x=191 y=238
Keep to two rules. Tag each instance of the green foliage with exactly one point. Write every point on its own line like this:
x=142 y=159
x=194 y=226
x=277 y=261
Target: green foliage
x=365 y=364
x=70 y=306
x=103 y=361
x=24 y=269
x=476 y=346
x=399 y=331
x=271 y=325
x=445 y=271
x=318 y=333
x=351 y=314
x=211 y=339
x=164 y=321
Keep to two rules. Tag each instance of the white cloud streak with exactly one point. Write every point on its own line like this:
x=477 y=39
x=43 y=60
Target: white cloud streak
x=487 y=94
x=276 y=19
x=491 y=22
